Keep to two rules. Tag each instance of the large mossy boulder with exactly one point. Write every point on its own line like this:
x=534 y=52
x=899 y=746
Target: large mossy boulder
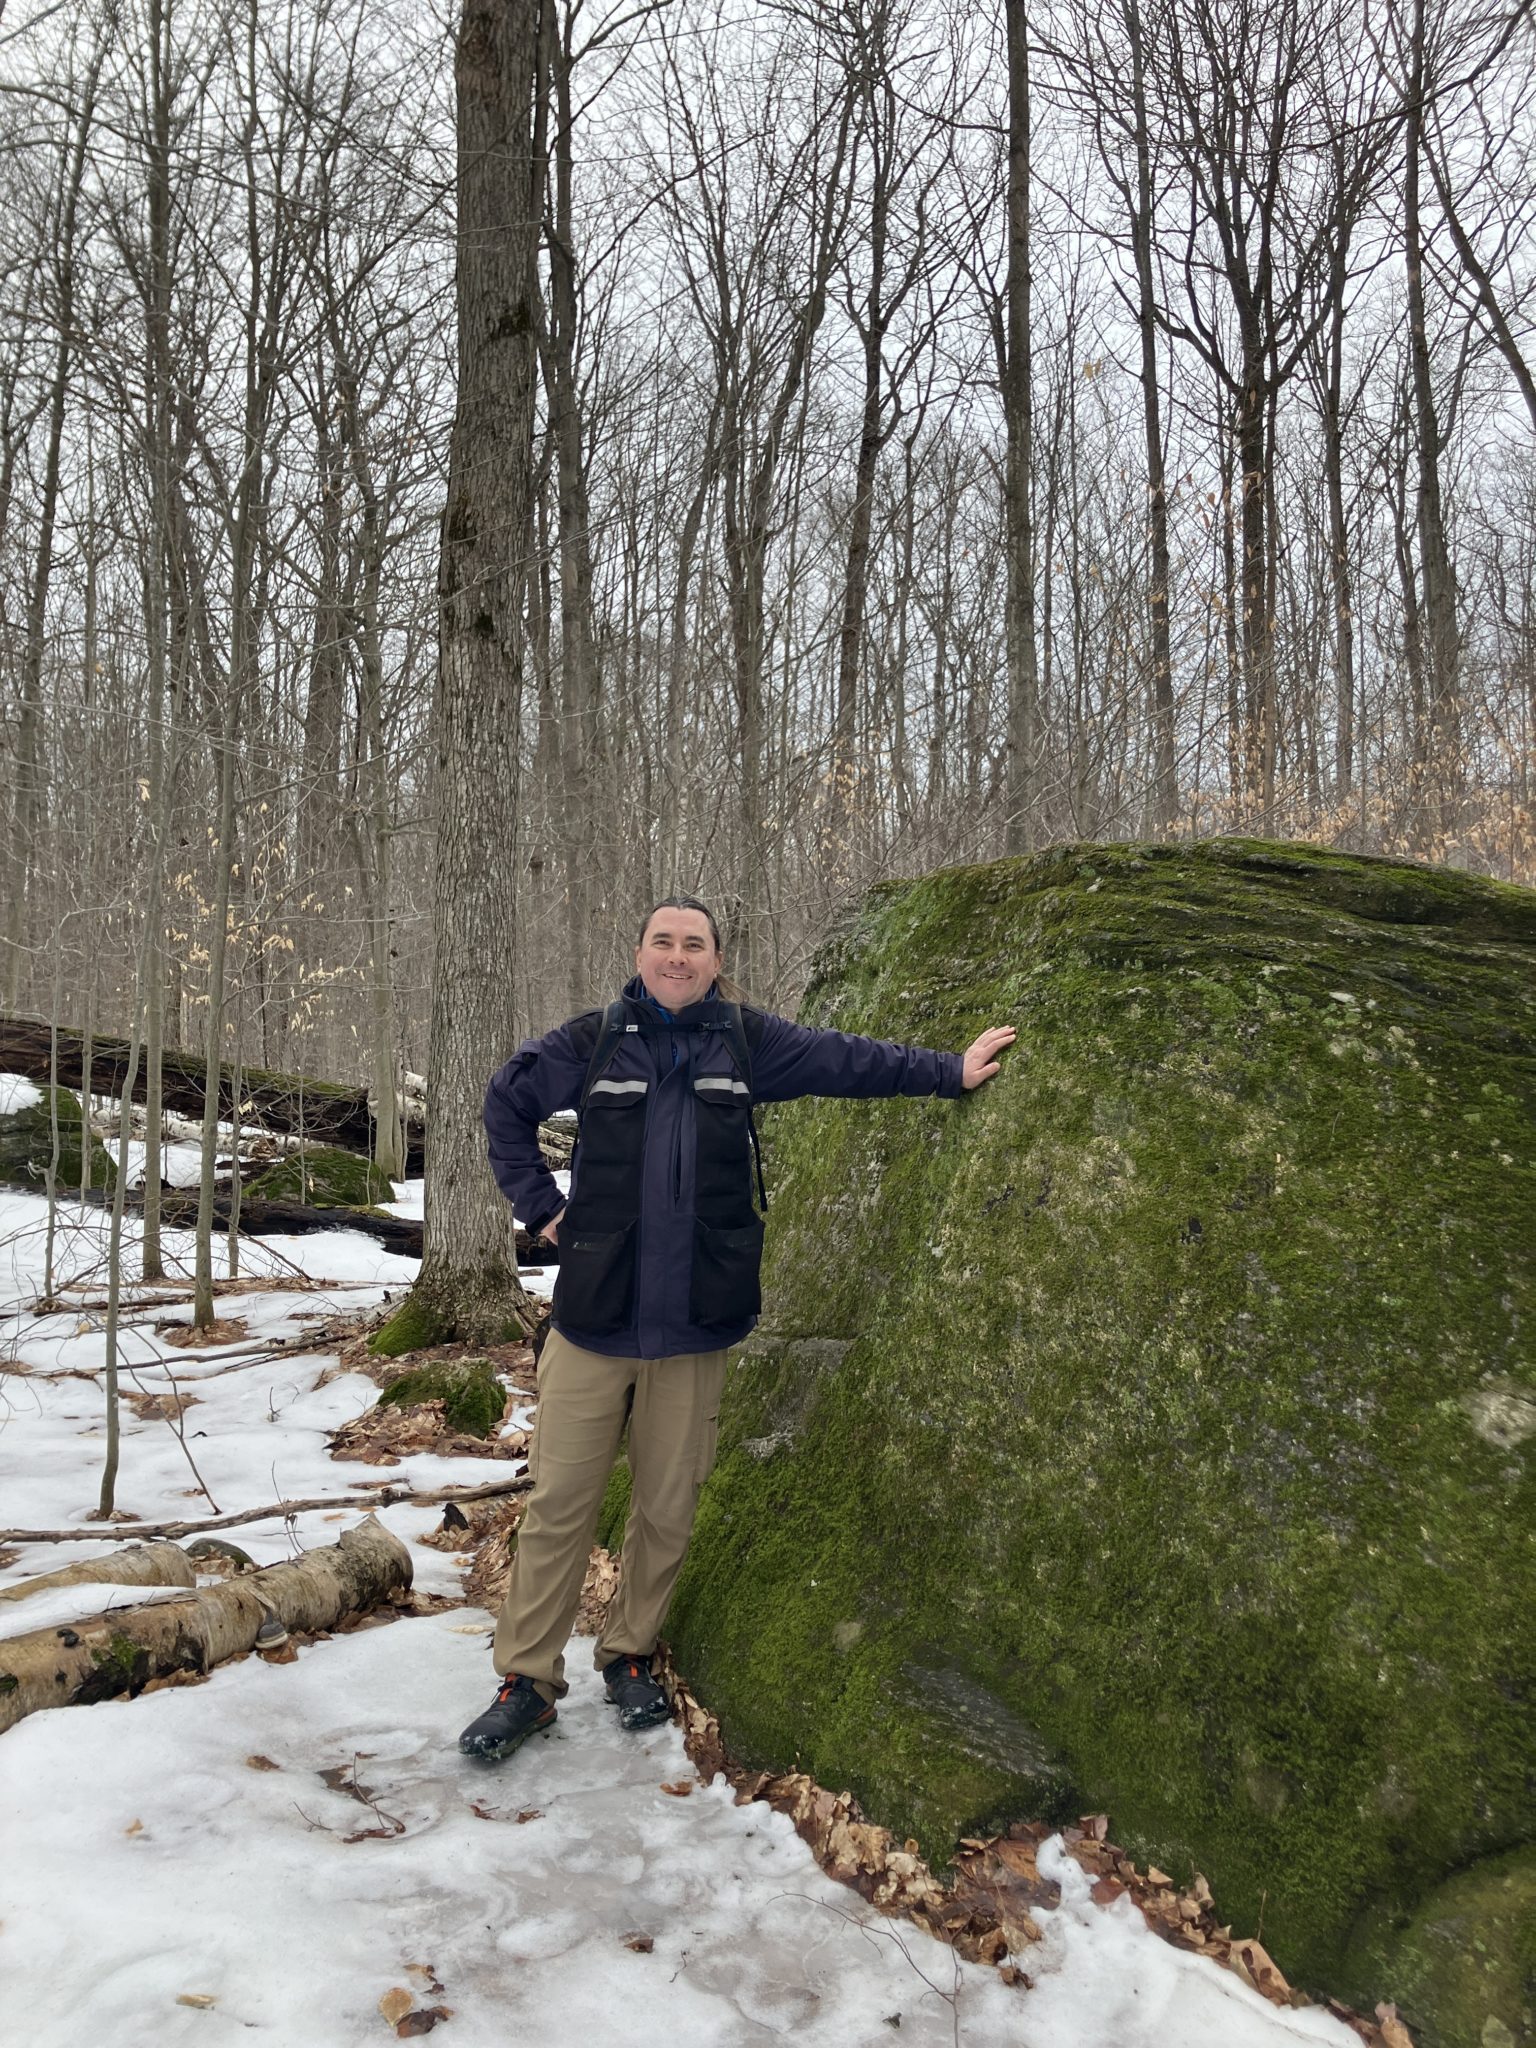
x=324 y=1177
x=1152 y=1429
x=26 y=1145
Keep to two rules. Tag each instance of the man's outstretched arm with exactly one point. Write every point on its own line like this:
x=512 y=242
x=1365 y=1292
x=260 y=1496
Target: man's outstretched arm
x=793 y=1060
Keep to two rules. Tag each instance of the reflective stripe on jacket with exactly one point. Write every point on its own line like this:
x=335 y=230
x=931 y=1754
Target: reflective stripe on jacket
x=659 y=1234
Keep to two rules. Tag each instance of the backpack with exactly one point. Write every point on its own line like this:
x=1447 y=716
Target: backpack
x=743 y=1028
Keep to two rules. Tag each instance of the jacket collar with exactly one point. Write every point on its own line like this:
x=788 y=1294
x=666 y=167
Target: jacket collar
x=690 y=1019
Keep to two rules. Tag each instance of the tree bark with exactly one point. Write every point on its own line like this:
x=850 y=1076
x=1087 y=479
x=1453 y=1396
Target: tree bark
x=468 y=1283
x=1022 y=826
x=137 y=1564
x=118 y=1653
x=1164 y=795
x=1440 y=638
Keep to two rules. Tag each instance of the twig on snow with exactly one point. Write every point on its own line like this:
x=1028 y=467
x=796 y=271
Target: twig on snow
x=381 y=1497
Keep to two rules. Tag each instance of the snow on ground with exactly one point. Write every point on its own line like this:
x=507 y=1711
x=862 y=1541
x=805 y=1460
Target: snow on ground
x=147 y=1860
x=17 y=1093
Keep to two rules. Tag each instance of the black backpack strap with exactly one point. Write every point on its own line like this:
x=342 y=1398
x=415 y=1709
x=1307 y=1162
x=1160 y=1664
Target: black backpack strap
x=606 y=1038
x=743 y=1030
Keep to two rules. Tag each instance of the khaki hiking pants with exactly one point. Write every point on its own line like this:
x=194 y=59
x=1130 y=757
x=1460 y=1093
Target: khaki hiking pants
x=583 y=1397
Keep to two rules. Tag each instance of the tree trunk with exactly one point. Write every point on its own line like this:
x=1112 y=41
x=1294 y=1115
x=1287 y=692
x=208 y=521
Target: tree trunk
x=1163 y=803
x=1440 y=638
x=1021 y=829
x=119 y=1652
x=468 y=1283
x=580 y=680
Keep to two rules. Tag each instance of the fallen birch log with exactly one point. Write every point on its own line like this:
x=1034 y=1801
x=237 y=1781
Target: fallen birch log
x=119 y=1653
x=378 y=1497
x=138 y=1564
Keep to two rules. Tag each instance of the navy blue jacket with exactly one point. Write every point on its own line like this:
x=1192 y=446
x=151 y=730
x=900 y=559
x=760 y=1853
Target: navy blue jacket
x=546 y=1074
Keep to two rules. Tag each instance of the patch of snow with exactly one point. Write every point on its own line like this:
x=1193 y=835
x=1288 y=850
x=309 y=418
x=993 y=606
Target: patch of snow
x=16 y=1092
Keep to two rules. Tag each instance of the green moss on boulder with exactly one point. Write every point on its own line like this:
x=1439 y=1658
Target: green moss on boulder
x=1463 y=1966
x=1152 y=1429
x=325 y=1178
x=26 y=1145
x=473 y=1399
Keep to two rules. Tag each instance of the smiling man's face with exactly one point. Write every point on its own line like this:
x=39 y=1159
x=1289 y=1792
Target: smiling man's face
x=678 y=958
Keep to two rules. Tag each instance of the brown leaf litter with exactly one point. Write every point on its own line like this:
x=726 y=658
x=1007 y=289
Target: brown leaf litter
x=349 y=1334
x=490 y=1566
x=383 y=1436
x=466 y=1524
x=983 y=1910
x=186 y=1336
x=158 y=1407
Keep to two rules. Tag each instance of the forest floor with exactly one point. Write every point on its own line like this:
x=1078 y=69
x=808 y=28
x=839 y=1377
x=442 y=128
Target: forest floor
x=297 y=1848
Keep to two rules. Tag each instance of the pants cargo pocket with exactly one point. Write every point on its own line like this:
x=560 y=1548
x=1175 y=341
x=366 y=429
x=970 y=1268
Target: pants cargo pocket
x=595 y=1287
x=726 y=1273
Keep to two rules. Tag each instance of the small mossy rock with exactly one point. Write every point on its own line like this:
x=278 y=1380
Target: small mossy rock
x=1162 y=1413
x=325 y=1178
x=1462 y=1968
x=473 y=1399
x=26 y=1145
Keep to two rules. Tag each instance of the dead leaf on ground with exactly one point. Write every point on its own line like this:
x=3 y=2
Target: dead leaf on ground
x=261 y=1763
x=642 y=1944
x=200 y=2001
x=1393 y=2033
x=134 y=1827
x=681 y=1790
x=530 y=1813
x=422 y=2021
x=1106 y=1890
x=165 y=1681
x=396 y=2003
x=434 y=1983
x=159 y=1407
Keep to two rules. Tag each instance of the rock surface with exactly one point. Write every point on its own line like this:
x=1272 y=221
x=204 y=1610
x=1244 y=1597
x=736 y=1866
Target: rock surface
x=325 y=1177
x=26 y=1145
x=1152 y=1430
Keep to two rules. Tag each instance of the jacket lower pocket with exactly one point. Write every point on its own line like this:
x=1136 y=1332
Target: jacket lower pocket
x=727 y=1264
x=595 y=1287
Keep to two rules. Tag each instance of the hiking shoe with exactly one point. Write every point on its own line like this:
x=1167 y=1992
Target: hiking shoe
x=632 y=1689
x=517 y=1712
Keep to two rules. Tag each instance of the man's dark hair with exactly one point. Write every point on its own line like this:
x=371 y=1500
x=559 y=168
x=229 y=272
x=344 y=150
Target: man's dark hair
x=680 y=903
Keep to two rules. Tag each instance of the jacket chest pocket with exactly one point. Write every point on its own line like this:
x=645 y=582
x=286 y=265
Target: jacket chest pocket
x=608 y=1160
x=723 y=1158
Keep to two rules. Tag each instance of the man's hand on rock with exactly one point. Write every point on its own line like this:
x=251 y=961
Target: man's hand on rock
x=981 y=1061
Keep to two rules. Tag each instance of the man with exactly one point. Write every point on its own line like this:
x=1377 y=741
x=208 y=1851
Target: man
x=660 y=1247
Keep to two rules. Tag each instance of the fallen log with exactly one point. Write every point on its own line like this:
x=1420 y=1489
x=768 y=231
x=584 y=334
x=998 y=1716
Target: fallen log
x=137 y=1564
x=292 y=1103
x=119 y=1653
x=296 y=1105
x=377 y=1497
x=262 y=1218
